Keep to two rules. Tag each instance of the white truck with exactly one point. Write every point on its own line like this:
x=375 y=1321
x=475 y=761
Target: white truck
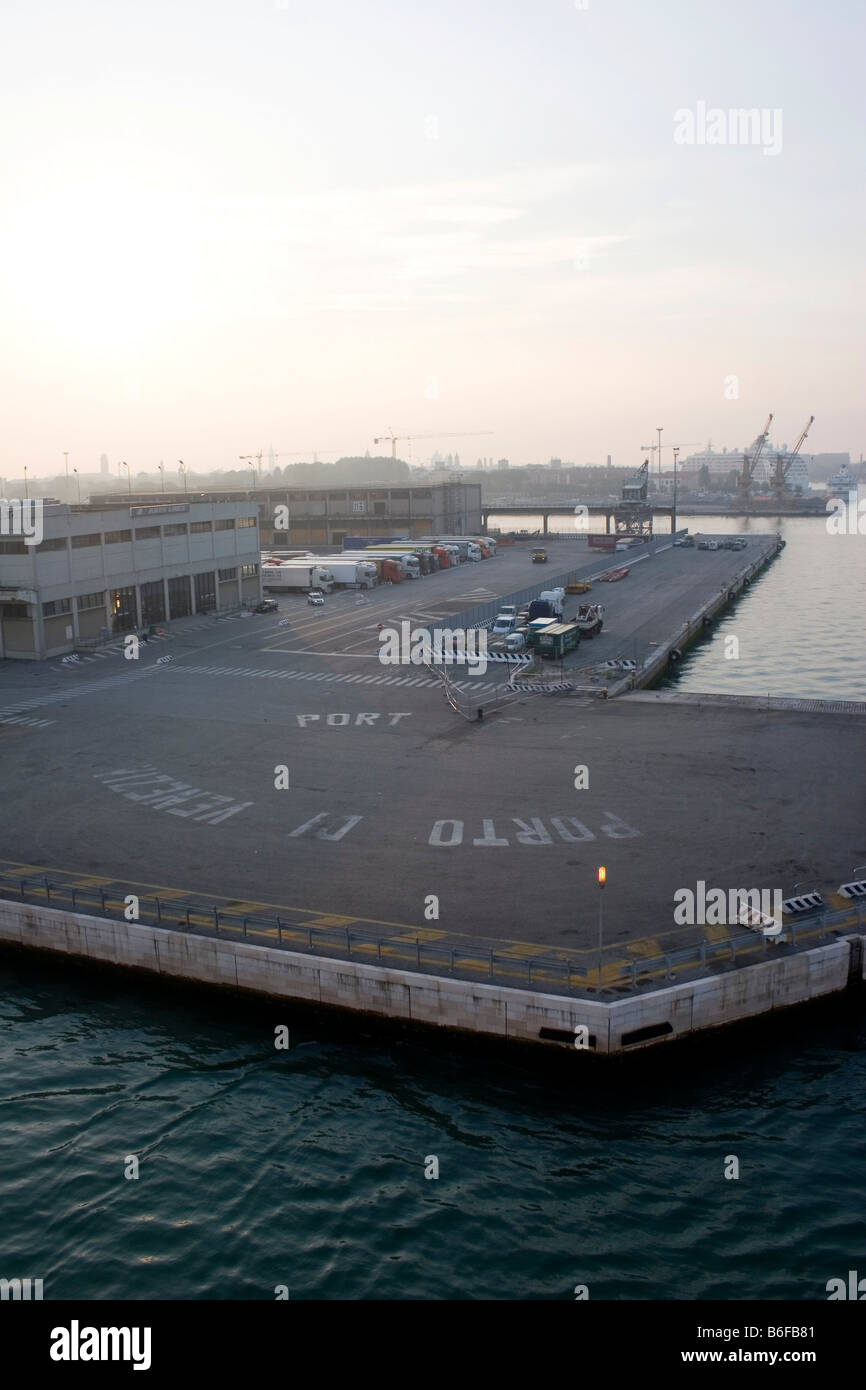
x=349 y=571
x=299 y=575
x=411 y=564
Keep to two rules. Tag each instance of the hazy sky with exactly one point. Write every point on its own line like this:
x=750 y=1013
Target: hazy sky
x=240 y=222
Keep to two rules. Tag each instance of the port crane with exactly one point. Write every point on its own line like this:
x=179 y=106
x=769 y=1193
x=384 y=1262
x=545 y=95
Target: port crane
x=394 y=438
x=782 y=468
x=751 y=459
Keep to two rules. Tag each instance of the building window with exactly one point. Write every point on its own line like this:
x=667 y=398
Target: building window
x=199 y=526
x=90 y=601
x=117 y=537
x=379 y=508
x=205 y=592
x=123 y=611
x=360 y=506
x=14 y=548
x=225 y=525
x=152 y=602
x=56 y=607
x=55 y=543
x=79 y=542
x=179 y=529
x=15 y=612
x=147 y=533
x=229 y=574
x=178 y=597
x=249 y=571
x=248 y=521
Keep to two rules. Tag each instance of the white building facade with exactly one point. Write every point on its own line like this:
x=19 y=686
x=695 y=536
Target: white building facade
x=100 y=571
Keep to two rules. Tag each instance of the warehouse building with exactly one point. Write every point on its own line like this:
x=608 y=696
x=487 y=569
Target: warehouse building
x=103 y=570
x=323 y=516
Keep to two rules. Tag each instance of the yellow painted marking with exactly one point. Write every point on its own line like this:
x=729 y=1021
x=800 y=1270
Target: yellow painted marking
x=836 y=900
x=715 y=933
x=422 y=933
x=647 y=946
x=334 y=921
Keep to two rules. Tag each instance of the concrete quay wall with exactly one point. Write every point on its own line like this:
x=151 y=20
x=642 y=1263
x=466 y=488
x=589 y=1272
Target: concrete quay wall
x=494 y=1011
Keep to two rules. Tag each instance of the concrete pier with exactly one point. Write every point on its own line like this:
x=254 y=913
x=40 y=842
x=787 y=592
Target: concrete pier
x=294 y=815
x=518 y=1015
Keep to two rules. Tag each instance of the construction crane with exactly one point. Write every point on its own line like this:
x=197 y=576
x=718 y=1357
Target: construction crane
x=409 y=437
x=782 y=468
x=751 y=459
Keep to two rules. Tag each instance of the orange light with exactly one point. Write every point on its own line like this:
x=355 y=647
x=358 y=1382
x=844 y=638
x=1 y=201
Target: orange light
x=602 y=876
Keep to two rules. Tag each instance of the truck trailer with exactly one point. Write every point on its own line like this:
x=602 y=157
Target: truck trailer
x=296 y=575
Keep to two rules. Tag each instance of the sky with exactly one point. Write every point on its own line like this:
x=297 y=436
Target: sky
x=244 y=223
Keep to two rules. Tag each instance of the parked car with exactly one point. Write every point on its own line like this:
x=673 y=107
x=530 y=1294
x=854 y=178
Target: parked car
x=516 y=642
x=316 y=598
x=267 y=605
x=703 y=545
x=712 y=545
x=505 y=623
x=508 y=610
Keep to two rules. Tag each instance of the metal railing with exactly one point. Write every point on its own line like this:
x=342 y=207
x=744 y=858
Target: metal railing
x=199 y=918
x=550 y=974
x=796 y=934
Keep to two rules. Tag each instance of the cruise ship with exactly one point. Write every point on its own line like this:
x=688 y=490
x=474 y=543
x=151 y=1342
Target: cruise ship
x=841 y=483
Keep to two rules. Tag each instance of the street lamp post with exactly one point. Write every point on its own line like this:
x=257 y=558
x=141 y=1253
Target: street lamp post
x=659 y=429
x=162 y=476
x=78 y=481
x=128 y=475
x=674 y=517
x=182 y=466
x=602 y=879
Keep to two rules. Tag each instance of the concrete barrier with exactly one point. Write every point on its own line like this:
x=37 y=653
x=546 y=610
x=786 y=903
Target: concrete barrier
x=495 y=1011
